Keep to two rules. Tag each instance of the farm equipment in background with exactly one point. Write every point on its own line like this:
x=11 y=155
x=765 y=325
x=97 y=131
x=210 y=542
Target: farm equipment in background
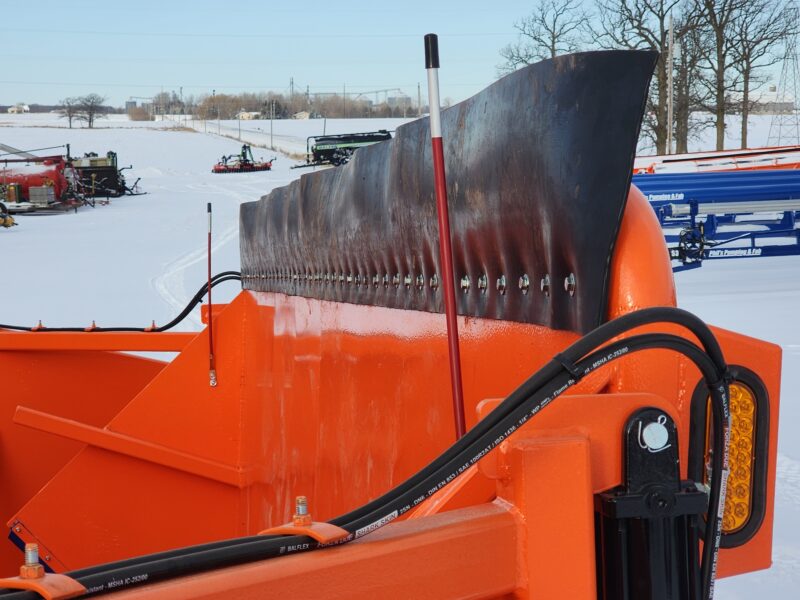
x=712 y=215
x=338 y=149
x=96 y=176
x=6 y=220
x=34 y=183
x=597 y=449
x=59 y=182
x=750 y=159
x=241 y=163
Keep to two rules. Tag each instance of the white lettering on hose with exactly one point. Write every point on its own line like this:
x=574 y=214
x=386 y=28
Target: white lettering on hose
x=375 y=525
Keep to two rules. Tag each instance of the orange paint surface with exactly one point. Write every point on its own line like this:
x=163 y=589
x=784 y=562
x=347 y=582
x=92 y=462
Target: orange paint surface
x=338 y=403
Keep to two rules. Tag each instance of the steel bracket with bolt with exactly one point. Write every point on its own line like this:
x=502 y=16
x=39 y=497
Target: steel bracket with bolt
x=302 y=524
x=32 y=577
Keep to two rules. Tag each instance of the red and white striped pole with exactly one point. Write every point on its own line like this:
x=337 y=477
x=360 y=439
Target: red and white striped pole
x=445 y=244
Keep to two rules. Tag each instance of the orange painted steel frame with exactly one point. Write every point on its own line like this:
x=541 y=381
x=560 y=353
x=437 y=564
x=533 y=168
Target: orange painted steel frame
x=339 y=403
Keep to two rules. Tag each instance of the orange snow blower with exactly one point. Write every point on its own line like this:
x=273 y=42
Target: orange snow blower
x=616 y=447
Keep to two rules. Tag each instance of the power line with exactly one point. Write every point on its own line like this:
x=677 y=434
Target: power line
x=293 y=35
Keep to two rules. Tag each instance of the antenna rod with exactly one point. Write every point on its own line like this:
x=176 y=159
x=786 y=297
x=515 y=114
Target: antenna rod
x=212 y=371
x=445 y=243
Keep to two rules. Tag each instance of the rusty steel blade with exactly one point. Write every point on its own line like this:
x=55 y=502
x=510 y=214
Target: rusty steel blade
x=538 y=170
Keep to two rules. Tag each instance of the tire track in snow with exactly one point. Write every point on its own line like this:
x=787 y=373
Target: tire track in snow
x=170 y=284
x=787 y=484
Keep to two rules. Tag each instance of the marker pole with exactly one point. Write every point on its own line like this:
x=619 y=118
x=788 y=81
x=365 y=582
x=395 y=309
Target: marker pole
x=445 y=244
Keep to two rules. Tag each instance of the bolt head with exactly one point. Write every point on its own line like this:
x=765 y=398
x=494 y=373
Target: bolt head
x=434 y=282
x=544 y=285
x=524 y=284
x=465 y=283
x=501 y=284
x=302 y=520
x=31 y=571
x=569 y=284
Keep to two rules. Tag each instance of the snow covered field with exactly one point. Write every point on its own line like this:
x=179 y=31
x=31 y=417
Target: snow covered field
x=141 y=258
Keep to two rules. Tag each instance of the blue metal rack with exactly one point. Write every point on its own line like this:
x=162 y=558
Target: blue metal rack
x=765 y=205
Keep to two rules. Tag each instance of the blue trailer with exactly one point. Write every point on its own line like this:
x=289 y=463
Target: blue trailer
x=725 y=214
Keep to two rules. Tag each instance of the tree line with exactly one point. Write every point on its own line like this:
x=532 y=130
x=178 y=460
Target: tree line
x=722 y=50
x=272 y=104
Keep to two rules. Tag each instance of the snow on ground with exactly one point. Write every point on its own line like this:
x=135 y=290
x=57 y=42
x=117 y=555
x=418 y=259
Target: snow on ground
x=153 y=247
x=141 y=258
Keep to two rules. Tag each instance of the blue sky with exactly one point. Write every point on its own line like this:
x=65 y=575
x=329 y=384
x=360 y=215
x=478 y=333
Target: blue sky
x=50 y=50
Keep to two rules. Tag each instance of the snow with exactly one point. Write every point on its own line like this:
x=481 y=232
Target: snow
x=141 y=258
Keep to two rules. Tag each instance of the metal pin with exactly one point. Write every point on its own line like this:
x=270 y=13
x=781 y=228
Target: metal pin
x=407 y=280
x=483 y=283
x=434 y=282
x=465 y=283
x=524 y=284
x=420 y=281
x=31 y=554
x=544 y=285
x=301 y=505
x=501 y=284
x=569 y=284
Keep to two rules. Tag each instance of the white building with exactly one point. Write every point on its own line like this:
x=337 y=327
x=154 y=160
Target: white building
x=19 y=109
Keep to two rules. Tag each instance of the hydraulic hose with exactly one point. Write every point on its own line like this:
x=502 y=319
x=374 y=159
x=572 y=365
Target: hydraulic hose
x=531 y=397
x=196 y=299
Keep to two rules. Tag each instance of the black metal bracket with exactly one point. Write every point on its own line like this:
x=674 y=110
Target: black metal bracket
x=647 y=542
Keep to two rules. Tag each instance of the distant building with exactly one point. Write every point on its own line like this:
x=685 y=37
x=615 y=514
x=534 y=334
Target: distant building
x=773 y=108
x=302 y=115
x=769 y=102
x=248 y=116
x=130 y=105
x=401 y=101
x=18 y=109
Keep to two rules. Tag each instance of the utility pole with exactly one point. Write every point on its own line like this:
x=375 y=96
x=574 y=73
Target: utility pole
x=344 y=99
x=419 y=101
x=669 y=87
x=271 y=118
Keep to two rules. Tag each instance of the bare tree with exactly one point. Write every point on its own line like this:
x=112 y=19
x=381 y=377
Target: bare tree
x=70 y=107
x=90 y=107
x=554 y=27
x=759 y=27
x=638 y=24
x=689 y=94
x=718 y=18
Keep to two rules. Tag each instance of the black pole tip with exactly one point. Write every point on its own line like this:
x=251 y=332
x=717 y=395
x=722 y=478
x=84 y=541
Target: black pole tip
x=431 y=51
x=209 y=207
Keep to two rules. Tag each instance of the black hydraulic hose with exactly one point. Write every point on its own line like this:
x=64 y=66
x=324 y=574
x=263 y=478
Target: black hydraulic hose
x=229 y=552
x=488 y=423
x=572 y=354
x=196 y=299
